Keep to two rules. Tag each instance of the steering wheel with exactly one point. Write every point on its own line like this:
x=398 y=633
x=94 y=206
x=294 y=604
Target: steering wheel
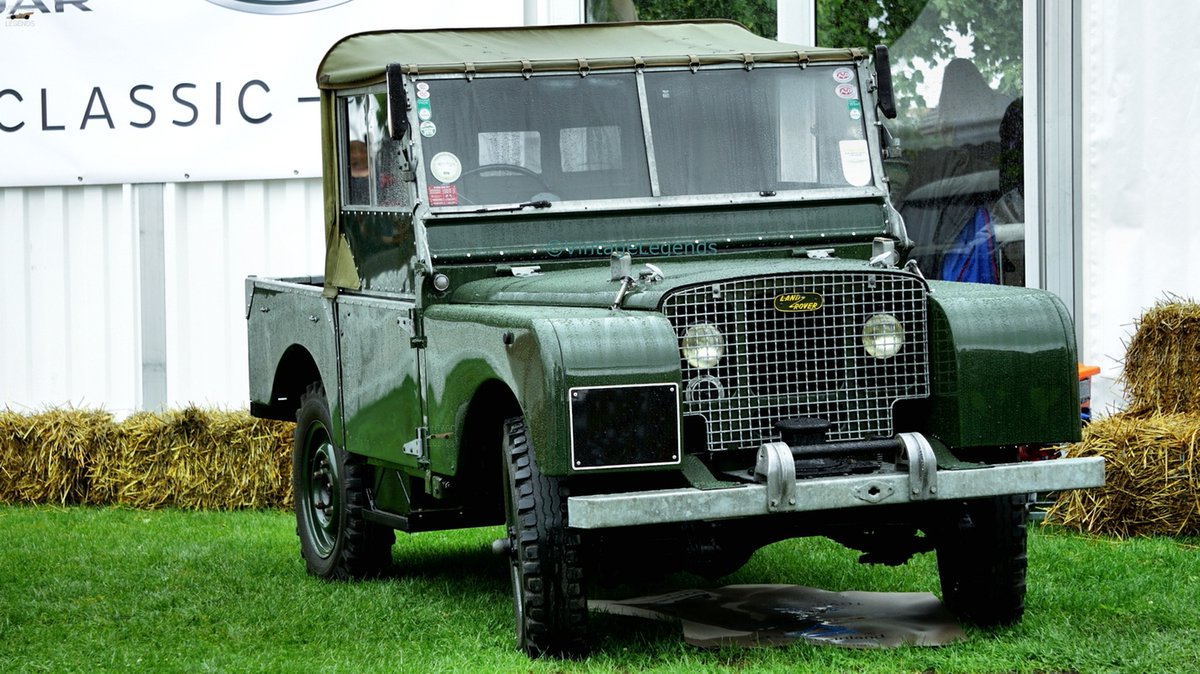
x=542 y=191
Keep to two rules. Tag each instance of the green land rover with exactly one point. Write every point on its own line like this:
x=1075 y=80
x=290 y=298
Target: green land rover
x=637 y=292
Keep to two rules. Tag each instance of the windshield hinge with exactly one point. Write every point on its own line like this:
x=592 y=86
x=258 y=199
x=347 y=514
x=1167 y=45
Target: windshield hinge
x=418 y=342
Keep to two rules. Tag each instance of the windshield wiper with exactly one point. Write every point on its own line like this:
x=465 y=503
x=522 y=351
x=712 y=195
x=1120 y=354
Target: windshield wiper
x=540 y=203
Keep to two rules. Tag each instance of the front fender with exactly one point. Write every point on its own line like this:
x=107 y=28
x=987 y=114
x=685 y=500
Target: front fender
x=1003 y=366
x=539 y=355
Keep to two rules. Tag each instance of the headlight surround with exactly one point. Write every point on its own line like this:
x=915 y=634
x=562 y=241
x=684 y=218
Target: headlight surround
x=883 y=336
x=702 y=345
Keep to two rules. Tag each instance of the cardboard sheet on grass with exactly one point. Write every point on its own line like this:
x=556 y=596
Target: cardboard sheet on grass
x=775 y=615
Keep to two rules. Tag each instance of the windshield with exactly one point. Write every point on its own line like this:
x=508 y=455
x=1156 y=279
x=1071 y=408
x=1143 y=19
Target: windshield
x=554 y=140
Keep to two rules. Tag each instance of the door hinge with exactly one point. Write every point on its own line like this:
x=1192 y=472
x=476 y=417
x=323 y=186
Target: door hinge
x=416 y=446
x=418 y=342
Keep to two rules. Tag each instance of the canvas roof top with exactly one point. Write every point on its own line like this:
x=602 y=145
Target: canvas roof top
x=361 y=59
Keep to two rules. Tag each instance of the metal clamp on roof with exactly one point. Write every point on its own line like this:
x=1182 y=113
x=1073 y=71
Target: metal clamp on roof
x=748 y=60
x=693 y=62
x=469 y=70
x=526 y=69
x=802 y=59
x=639 y=63
x=584 y=69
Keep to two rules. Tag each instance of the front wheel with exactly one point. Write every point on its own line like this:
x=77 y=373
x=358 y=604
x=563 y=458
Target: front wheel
x=329 y=487
x=545 y=556
x=981 y=553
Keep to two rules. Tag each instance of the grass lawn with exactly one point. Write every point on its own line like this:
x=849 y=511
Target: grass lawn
x=87 y=589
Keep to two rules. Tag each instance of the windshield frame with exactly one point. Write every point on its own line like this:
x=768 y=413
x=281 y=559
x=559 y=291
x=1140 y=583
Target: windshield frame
x=875 y=189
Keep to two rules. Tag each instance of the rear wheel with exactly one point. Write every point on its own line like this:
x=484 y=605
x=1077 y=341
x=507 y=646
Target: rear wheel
x=329 y=488
x=545 y=556
x=982 y=560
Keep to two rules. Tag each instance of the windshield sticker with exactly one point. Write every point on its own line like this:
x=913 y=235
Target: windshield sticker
x=445 y=167
x=843 y=75
x=422 y=86
x=855 y=107
x=443 y=195
x=424 y=112
x=847 y=91
x=422 y=93
x=428 y=129
x=856 y=162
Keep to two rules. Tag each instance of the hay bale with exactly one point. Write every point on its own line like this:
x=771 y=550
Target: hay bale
x=44 y=457
x=1152 y=481
x=188 y=458
x=1162 y=361
x=198 y=459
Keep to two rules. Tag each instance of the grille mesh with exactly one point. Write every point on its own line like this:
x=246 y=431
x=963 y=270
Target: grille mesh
x=809 y=364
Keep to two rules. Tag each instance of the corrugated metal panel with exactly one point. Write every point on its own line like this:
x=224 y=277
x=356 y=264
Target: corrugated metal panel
x=217 y=234
x=71 y=308
x=69 y=301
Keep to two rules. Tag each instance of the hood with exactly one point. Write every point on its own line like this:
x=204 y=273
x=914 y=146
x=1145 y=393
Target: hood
x=590 y=286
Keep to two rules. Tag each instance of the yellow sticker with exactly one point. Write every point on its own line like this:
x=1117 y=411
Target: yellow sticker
x=798 y=302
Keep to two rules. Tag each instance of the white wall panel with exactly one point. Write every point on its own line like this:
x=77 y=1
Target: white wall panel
x=215 y=235
x=1141 y=107
x=68 y=320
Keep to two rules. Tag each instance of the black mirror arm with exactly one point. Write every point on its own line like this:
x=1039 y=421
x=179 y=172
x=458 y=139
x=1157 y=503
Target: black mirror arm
x=397 y=102
x=885 y=97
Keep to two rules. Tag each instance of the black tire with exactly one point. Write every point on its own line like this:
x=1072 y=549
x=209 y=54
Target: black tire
x=329 y=487
x=545 y=556
x=981 y=555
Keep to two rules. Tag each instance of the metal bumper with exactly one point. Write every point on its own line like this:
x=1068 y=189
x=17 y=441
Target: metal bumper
x=915 y=478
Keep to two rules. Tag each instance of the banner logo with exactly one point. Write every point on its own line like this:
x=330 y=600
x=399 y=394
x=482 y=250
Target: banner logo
x=278 y=6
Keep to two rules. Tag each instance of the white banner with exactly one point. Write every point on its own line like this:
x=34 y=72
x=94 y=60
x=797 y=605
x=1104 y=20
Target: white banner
x=120 y=91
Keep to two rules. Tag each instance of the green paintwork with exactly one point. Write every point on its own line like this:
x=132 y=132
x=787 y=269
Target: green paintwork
x=693 y=231
x=591 y=285
x=550 y=353
x=1003 y=366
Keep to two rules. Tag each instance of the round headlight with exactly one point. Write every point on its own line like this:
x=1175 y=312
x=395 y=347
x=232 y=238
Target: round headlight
x=882 y=336
x=702 y=345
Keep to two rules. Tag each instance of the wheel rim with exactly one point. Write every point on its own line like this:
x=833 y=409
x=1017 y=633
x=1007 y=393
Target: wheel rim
x=320 y=490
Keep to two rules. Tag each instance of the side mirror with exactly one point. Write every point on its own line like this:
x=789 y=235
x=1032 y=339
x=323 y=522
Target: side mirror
x=884 y=96
x=397 y=102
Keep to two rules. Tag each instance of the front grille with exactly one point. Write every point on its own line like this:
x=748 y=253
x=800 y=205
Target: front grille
x=779 y=365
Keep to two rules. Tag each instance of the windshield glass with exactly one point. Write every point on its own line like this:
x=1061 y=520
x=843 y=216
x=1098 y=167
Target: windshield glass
x=505 y=140
x=565 y=138
x=767 y=129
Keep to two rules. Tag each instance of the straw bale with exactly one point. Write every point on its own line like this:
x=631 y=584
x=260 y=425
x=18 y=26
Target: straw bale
x=1162 y=361
x=45 y=455
x=1152 y=481
x=188 y=458
x=197 y=459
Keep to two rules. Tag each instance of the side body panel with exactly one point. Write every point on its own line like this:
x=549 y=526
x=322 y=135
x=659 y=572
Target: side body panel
x=380 y=379
x=289 y=322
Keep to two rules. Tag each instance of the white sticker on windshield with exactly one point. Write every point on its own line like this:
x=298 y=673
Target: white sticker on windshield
x=847 y=91
x=856 y=162
x=428 y=129
x=445 y=167
x=843 y=75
